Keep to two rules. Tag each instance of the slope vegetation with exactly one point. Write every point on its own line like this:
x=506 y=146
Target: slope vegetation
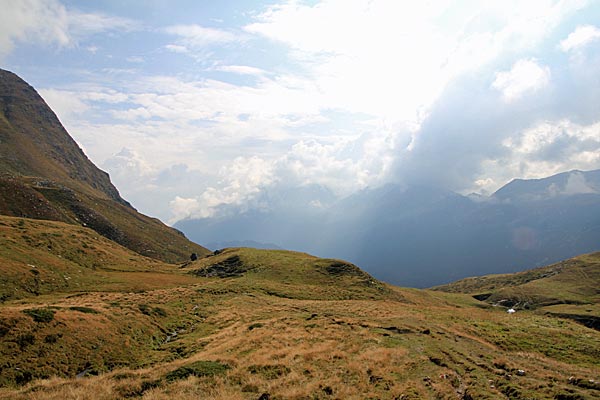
x=249 y=324
x=289 y=274
x=568 y=288
x=45 y=175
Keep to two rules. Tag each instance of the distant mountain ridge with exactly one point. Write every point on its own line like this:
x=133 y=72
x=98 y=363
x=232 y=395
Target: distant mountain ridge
x=45 y=175
x=421 y=236
x=563 y=184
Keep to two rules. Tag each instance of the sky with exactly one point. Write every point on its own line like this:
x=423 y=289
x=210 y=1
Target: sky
x=199 y=106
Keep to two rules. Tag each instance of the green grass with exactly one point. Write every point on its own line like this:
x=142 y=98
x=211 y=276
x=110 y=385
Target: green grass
x=288 y=324
x=40 y=314
x=568 y=289
x=42 y=257
x=287 y=274
x=198 y=369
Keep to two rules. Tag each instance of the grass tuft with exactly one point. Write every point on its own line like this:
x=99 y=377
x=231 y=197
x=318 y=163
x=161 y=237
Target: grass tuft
x=85 y=310
x=40 y=314
x=199 y=369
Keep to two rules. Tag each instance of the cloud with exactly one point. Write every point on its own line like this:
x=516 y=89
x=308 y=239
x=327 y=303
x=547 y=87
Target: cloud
x=554 y=146
x=241 y=69
x=63 y=103
x=197 y=37
x=240 y=182
x=373 y=92
x=393 y=60
x=525 y=76
x=81 y=25
x=49 y=22
x=576 y=184
x=182 y=208
x=580 y=37
x=32 y=21
x=177 y=48
x=128 y=163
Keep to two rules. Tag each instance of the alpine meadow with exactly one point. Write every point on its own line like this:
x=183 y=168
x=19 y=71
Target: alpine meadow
x=299 y=200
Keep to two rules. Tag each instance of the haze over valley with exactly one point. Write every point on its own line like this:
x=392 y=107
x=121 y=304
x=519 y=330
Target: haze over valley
x=292 y=200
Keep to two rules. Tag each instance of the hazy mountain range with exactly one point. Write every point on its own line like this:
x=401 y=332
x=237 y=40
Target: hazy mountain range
x=422 y=236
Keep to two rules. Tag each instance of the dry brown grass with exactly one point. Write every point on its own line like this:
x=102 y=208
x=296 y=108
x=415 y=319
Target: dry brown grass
x=425 y=345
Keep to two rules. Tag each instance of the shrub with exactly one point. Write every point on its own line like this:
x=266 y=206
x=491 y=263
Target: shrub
x=86 y=310
x=145 y=309
x=156 y=311
x=255 y=325
x=25 y=340
x=269 y=371
x=40 y=314
x=159 y=312
x=198 y=368
x=52 y=338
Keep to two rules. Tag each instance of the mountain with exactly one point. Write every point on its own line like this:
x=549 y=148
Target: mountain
x=45 y=175
x=560 y=185
x=390 y=231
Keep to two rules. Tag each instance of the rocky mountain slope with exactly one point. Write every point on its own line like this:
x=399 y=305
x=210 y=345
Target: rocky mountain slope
x=45 y=175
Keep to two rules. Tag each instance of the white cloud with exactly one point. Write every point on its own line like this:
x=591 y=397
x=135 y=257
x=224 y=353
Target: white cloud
x=244 y=178
x=182 y=208
x=135 y=59
x=32 y=21
x=197 y=36
x=525 y=76
x=358 y=89
x=177 y=48
x=128 y=164
x=580 y=37
x=81 y=24
x=393 y=59
x=241 y=69
x=548 y=148
x=576 y=184
x=49 y=22
x=64 y=103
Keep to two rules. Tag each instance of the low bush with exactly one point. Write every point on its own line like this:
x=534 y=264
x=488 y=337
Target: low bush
x=40 y=314
x=198 y=368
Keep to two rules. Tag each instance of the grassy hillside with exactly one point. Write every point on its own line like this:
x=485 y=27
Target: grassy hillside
x=46 y=257
x=288 y=274
x=249 y=324
x=45 y=175
x=569 y=289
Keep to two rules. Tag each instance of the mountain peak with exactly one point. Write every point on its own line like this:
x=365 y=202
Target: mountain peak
x=563 y=184
x=33 y=142
x=44 y=174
